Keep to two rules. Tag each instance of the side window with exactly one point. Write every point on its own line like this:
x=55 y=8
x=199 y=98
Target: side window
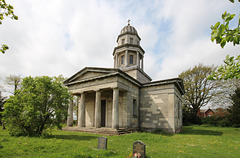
x=134 y=108
x=131 y=40
x=122 y=59
x=131 y=59
x=123 y=41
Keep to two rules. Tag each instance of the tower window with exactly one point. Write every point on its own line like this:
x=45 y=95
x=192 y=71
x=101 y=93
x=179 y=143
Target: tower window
x=131 y=40
x=122 y=59
x=123 y=41
x=131 y=59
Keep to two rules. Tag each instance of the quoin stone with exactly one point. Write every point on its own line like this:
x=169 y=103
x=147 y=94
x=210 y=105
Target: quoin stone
x=102 y=143
x=139 y=149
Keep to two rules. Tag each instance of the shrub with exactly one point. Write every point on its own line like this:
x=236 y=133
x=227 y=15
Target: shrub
x=40 y=104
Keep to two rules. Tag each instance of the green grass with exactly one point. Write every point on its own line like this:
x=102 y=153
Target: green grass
x=194 y=141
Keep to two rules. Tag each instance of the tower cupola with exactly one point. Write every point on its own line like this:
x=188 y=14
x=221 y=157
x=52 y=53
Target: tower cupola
x=128 y=54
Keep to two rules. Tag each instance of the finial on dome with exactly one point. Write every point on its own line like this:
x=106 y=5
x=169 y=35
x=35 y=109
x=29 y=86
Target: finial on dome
x=128 y=21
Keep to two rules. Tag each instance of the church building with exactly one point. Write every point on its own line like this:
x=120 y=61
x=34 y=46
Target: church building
x=125 y=96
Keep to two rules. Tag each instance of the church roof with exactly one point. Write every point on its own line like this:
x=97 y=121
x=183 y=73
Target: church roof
x=107 y=72
x=100 y=73
x=177 y=81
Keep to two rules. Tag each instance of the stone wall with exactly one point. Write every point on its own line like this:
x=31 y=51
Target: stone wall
x=131 y=92
x=158 y=108
x=138 y=75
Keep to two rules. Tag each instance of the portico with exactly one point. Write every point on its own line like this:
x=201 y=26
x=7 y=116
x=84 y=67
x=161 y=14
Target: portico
x=99 y=120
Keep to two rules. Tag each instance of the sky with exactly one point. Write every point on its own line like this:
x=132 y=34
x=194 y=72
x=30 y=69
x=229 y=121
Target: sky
x=54 y=37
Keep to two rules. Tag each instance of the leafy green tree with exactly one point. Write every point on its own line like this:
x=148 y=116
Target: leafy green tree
x=39 y=105
x=6 y=10
x=234 y=110
x=199 y=90
x=222 y=34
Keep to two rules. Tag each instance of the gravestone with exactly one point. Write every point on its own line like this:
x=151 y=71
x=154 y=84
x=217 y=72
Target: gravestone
x=139 y=148
x=102 y=143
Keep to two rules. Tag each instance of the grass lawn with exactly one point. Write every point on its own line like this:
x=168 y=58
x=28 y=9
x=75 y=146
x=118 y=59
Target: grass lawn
x=194 y=141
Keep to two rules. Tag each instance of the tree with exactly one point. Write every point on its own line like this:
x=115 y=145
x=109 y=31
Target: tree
x=199 y=90
x=14 y=80
x=2 y=102
x=6 y=10
x=39 y=105
x=224 y=91
x=222 y=34
x=234 y=110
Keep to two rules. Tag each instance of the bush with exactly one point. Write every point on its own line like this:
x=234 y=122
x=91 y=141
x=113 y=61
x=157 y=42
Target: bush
x=189 y=118
x=217 y=121
x=39 y=105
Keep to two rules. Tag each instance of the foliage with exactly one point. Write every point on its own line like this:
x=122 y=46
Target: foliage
x=189 y=117
x=6 y=10
x=38 y=105
x=222 y=34
x=230 y=70
x=194 y=141
x=234 y=110
x=14 y=80
x=199 y=90
x=221 y=121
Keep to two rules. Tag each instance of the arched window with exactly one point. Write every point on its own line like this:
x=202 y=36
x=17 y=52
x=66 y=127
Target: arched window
x=122 y=59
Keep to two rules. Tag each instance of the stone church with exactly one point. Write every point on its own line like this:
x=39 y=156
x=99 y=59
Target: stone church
x=125 y=96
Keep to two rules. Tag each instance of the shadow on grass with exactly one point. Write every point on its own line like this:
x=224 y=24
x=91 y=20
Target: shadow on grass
x=192 y=131
x=72 y=137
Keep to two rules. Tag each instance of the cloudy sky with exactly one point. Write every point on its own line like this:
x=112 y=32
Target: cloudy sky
x=55 y=37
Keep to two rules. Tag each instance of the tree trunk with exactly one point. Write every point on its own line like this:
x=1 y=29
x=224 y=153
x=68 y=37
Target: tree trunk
x=3 y=125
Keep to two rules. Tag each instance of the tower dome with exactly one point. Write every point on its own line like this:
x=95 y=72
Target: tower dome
x=128 y=29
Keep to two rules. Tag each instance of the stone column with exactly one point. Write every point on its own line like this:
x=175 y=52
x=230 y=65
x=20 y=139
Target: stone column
x=142 y=64
x=116 y=60
x=70 y=114
x=126 y=58
x=81 y=111
x=138 y=60
x=98 y=110
x=115 y=109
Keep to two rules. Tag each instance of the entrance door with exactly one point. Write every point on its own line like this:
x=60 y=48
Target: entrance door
x=103 y=113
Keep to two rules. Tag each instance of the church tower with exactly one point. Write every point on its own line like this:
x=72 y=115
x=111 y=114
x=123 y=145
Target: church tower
x=128 y=55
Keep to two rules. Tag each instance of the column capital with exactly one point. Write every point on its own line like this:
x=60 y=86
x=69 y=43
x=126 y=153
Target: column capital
x=98 y=90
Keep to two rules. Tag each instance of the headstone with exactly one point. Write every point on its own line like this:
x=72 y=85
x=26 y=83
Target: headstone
x=102 y=143
x=139 y=149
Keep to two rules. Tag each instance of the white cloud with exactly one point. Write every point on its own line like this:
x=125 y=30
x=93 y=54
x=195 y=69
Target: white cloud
x=61 y=37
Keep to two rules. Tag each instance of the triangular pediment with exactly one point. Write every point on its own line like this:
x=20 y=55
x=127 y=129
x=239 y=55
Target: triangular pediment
x=89 y=73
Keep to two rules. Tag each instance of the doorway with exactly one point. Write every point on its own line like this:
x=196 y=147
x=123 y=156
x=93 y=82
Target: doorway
x=103 y=113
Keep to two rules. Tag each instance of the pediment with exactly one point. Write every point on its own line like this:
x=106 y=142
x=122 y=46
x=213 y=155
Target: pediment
x=89 y=73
